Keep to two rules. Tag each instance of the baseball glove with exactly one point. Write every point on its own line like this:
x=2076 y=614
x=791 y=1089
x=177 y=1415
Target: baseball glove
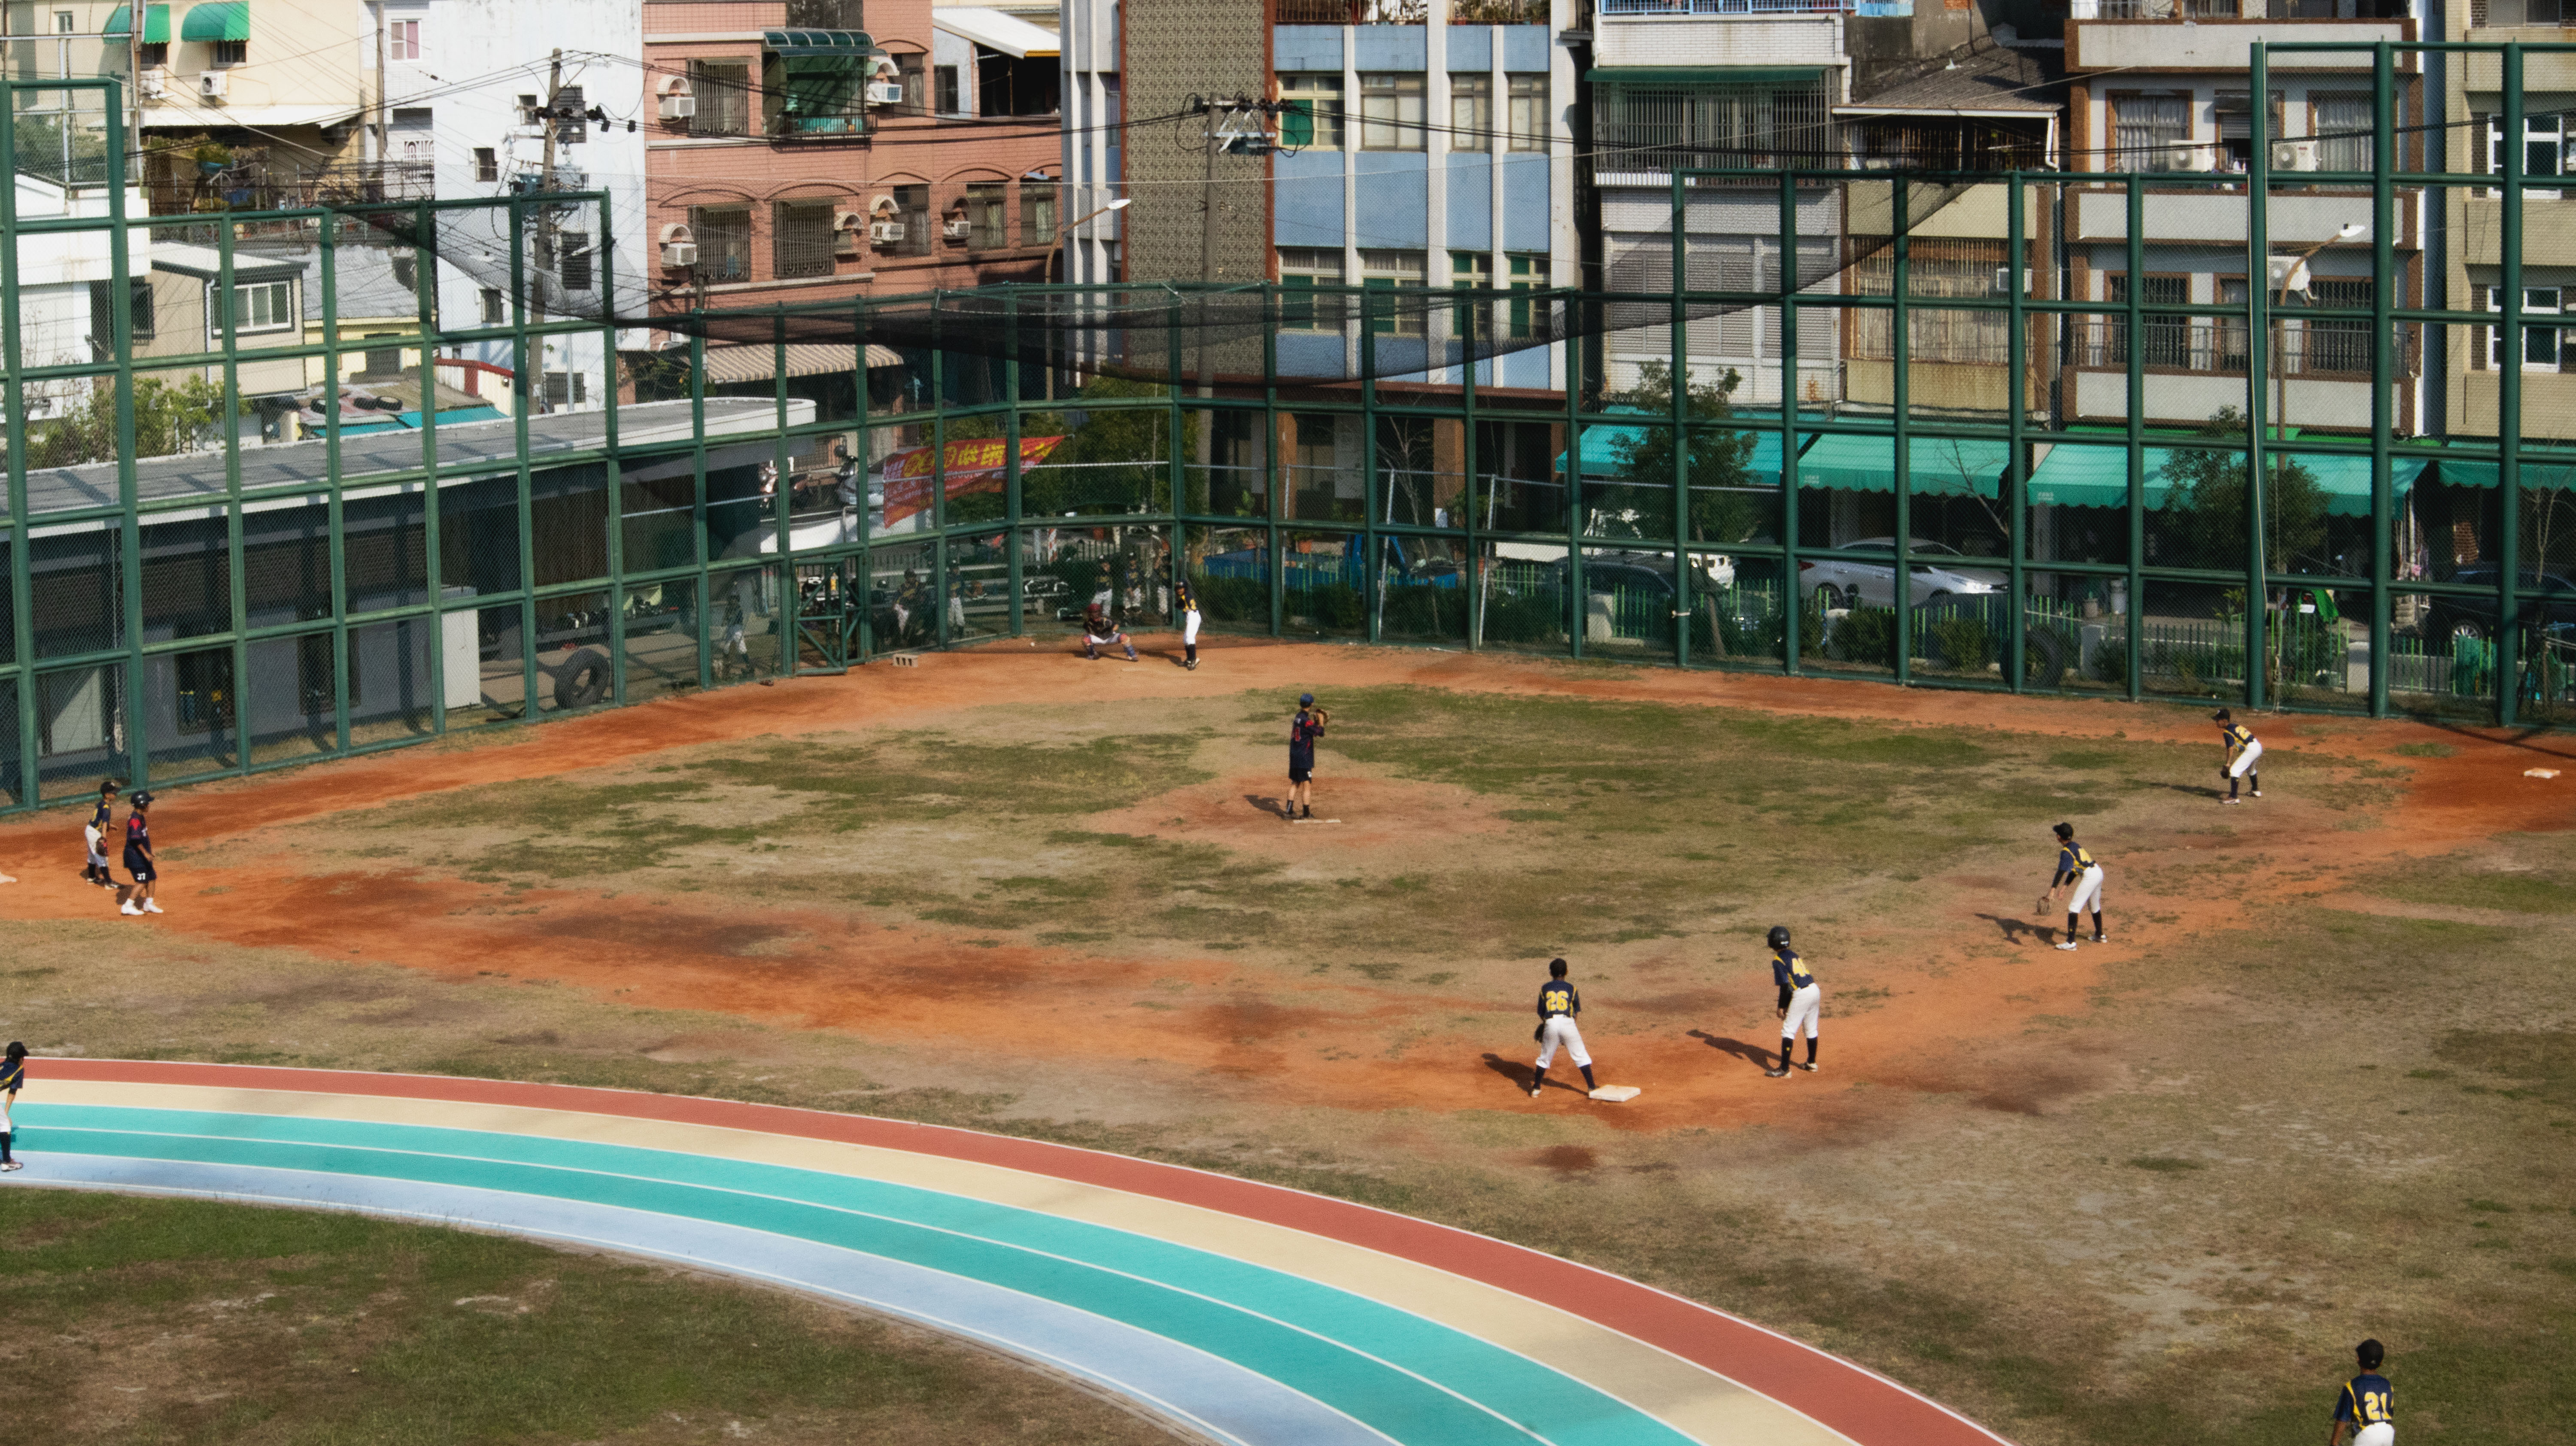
x=2041 y=907
x=1539 y=1035
x=1322 y=717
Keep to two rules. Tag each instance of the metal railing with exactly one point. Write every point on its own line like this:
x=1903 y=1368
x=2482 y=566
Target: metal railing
x=1726 y=7
x=2335 y=350
x=1353 y=12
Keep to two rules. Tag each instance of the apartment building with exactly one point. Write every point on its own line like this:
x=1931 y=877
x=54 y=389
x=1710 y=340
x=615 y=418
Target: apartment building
x=802 y=151
x=2162 y=86
x=255 y=104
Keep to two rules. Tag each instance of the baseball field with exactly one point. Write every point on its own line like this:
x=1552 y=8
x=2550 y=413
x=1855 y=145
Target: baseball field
x=2319 y=1085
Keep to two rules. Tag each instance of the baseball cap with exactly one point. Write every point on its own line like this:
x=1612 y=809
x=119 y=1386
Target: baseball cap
x=1305 y=700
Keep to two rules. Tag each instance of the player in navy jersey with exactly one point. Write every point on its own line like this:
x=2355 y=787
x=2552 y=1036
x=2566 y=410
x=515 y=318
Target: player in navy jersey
x=1303 y=730
x=95 y=833
x=1801 y=1001
x=2244 y=750
x=2077 y=866
x=2368 y=1404
x=137 y=898
x=1558 y=1003
x=13 y=1076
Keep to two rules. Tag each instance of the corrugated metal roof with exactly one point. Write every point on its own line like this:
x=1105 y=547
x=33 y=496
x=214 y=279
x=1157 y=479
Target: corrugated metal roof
x=753 y=362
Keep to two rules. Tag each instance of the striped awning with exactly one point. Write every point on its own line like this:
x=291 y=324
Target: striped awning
x=851 y=43
x=156 y=23
x=756 y=362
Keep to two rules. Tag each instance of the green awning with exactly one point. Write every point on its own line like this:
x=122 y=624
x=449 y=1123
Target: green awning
x=851 y=43
x=1601 y=449
x=1704 y=77
x=156 y=23
x=2084 y=476
x=2551 y=471
x=222 y=20
x=1935 y=467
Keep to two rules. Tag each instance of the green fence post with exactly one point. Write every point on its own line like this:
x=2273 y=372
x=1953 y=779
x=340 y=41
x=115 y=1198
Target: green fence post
x=433 y=574
x=1899 y=370
x=22 y=620
x=1010 y=458
x=2017 y=445
x=1792 y=605
x=1679 y=407
x=2134 y=646
x=2508 y=642
x=2261 y=335
x=2383 y=263
x=138 y=748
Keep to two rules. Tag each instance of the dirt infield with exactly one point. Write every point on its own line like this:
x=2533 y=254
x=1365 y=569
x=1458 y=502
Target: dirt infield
x=1960 y=1031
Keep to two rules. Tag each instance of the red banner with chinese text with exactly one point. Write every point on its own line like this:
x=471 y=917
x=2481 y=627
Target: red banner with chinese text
x=973 y=464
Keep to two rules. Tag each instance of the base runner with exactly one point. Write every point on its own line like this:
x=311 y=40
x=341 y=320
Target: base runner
x=95 y=833
x=139 y=861
x=1558 y=1003
x=1801 y=1001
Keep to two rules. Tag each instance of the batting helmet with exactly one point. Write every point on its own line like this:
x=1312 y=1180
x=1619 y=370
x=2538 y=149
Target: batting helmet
x=2064 y=830
x=1779 y=936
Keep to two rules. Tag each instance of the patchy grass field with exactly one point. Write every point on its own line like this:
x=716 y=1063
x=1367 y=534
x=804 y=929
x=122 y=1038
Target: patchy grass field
x=139 y=1320
x=2321 y=1085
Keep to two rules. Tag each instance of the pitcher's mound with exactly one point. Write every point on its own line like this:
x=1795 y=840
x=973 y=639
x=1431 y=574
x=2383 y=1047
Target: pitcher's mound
x=1249 y=813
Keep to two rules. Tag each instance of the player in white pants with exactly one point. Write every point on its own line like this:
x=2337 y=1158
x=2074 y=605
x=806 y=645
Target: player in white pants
x=2076 y=866
x=1558 y=1003
x=1189 y=601
x=1802 y=1001
x=2244 y=750
x=2367 y=1404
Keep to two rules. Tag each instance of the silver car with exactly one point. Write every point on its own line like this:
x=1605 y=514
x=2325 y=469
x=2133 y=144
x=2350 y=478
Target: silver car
x=1848 y=584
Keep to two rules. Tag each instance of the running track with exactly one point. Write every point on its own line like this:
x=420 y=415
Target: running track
x=1244 y=1312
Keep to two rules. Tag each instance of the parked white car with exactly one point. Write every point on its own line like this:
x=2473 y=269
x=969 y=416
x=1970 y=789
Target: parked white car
x=1845 y=584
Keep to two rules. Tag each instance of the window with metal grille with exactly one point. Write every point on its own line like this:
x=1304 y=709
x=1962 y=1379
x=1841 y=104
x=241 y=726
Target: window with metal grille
x=493 y=315
x=987 y=207
x=567 y=389
x=1471 y=112
x=383 y=361
x=487 y=164
x=2147 y=127
x=724 y=242
x=1391 y=111
x=825 y=15
x=951 y=100
x=723 y=89
x=2168 y=338
x=228 y=53
x=2344 y=122
x=1660 y=128
x=1396 y=280
x=1301 y=270
x=1313 y=118
x=2337 y=344
x=800 y=238
x=1528 y=123
x=1937 y=270
x=573 y=260
x=1037 y=212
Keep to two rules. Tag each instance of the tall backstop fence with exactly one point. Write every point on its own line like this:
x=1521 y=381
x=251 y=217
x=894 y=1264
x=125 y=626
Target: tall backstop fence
x=2178 y=419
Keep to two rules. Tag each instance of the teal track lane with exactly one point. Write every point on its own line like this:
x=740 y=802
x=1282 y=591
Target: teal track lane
x=1413 y=1379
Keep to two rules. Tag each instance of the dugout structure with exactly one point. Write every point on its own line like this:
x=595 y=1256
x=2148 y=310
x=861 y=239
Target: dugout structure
x=255 y=512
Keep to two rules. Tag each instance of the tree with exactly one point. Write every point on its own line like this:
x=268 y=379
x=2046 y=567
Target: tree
x=169 y=417
x=2205 y=503
x=1722 y=507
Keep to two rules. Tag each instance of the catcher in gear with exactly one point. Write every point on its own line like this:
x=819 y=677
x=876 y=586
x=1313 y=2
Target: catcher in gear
x=1099 y=630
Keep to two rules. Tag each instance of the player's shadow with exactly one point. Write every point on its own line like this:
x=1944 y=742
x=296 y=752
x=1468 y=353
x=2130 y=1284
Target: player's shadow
x=1275 y=807
x=2196 y=790
x=2019 y=931
x=1749 y=1053
x=1519 y=1074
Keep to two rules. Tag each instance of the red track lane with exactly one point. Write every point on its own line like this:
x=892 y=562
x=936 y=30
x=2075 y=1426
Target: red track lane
x=1859 y=1403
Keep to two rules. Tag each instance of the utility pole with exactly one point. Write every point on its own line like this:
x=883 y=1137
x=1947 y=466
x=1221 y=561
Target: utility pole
x=545 y=225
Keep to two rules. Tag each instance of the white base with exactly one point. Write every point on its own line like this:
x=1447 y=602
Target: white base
x=1314 y=820
x=1617 y=1094
x=2540 y=773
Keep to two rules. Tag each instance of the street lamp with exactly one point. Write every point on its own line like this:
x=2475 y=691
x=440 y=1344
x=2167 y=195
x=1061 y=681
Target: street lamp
x=2293 y=273
x=1048 y=273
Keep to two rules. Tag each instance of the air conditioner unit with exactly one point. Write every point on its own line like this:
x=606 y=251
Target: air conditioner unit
x=210 y=84
x=2294 y=155
x=2191 y=158
x=679 y=107
x=679 y=245
x=958 y=230
x=2287 y=273
x=2003 y=281
x=886 y=233
x=885 y=92
x=154 y=82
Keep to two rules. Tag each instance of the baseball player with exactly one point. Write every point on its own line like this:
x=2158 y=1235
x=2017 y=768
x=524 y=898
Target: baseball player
x=2243 y=750
x=1098 y=632
x=13 y=1077
x=1303 y=730
x=1558 y=1003
x=2075 y=865
x=95 y=832
x=2367 y=1405
x=1801 y=1002
x=1189 y=601
x=137 y=898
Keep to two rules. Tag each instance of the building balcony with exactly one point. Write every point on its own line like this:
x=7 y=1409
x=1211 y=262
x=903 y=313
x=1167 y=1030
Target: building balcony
x=1354 y=12
x=2142 y=36
x=2548 y=228
x=2196 y=368
x=2203 y=217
